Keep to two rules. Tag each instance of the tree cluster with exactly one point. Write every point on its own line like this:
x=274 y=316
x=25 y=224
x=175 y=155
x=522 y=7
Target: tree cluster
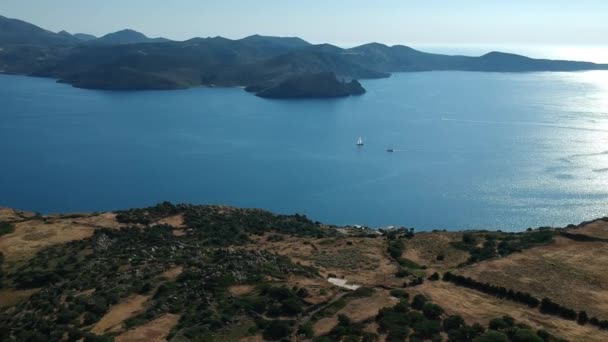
x=546 y=305
x=498 y=291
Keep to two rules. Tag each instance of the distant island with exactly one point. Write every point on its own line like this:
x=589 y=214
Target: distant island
x=312 y=85
x=268 y=66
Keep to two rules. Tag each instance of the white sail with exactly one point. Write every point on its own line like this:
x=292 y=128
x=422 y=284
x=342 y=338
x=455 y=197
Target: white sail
x=360 y=141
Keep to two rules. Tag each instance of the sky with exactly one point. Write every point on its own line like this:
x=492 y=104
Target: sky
x=340 y=22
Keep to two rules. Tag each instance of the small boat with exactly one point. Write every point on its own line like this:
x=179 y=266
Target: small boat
x=360 y=141
x=390 y=150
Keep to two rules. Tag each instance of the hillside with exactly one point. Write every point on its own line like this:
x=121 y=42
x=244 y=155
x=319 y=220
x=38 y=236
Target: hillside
x=18 y=32
x=128 y=60
x=215 y=273
x=126 y=36
x=318 y=85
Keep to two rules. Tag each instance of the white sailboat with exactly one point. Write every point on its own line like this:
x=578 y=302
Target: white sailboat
x=360 y=141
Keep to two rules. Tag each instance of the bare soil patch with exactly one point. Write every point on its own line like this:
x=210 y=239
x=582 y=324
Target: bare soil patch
x=179 y=232
x=240 y=290
x=156 y=330
x=11 y=297
x=105 y=220
x=173 y=273
x=176 y=221
x=112 y=321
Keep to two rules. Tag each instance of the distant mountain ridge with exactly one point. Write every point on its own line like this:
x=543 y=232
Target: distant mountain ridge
x=127 y=36
x=14 y=31
x=127 y=60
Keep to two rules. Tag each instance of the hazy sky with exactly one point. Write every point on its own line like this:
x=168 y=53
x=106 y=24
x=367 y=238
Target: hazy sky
x=343 y=22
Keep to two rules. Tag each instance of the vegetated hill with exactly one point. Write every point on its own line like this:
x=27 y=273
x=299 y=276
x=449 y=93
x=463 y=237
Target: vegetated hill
x=500 y=61
x=84 y=37
x=17 y=32
x=129 y=60
x=170 y=65
x=268 y=42
x=126 y=36
x=313 y=85
x=402 y=58
x=187 y=273
x=79 y=37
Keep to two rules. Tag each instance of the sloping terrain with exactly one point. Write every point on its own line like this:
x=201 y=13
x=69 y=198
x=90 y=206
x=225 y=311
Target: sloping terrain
x=215 y=273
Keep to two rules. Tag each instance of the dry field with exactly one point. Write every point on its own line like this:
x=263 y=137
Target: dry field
x=13 y=215
x=358 y=310
x=112 y=321
x=476 y=307
x=361 y=261
x=596 y=228
x=425 y=247
x=33 y=234
x=154 y=331
x=10 y=297
x=570 y=273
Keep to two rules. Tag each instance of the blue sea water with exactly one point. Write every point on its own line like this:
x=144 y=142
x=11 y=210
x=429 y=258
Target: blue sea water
x=473 y=150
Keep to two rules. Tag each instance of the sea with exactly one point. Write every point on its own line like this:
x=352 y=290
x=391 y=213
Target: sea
x=471 y=150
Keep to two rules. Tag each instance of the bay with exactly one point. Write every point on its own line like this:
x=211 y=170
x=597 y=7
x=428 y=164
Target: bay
x=472 y=150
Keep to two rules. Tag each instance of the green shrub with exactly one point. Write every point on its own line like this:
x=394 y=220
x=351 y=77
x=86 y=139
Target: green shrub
x=396 y=248
x=291 y=307
x=90 y=318
x=303 y=293
x=469 y=239
x=525 y=335
x=276 y=330
x=398 y=293
x=394 y=322
x=6 y=228
x=306 y=330
x=408 y=263
x=402 y=273
x=453 y=322
x=434 y=277
x=492 y=336
x=427 y=328
x=419 y=301
x=432 y=311
x=363 y=292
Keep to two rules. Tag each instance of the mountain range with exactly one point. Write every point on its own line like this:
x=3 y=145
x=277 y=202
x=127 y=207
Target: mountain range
x=129 y=60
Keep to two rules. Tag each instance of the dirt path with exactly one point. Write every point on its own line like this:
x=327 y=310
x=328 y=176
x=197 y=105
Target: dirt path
x=307 y=316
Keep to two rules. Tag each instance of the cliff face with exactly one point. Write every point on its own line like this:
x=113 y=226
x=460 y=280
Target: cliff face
x=313 y=85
